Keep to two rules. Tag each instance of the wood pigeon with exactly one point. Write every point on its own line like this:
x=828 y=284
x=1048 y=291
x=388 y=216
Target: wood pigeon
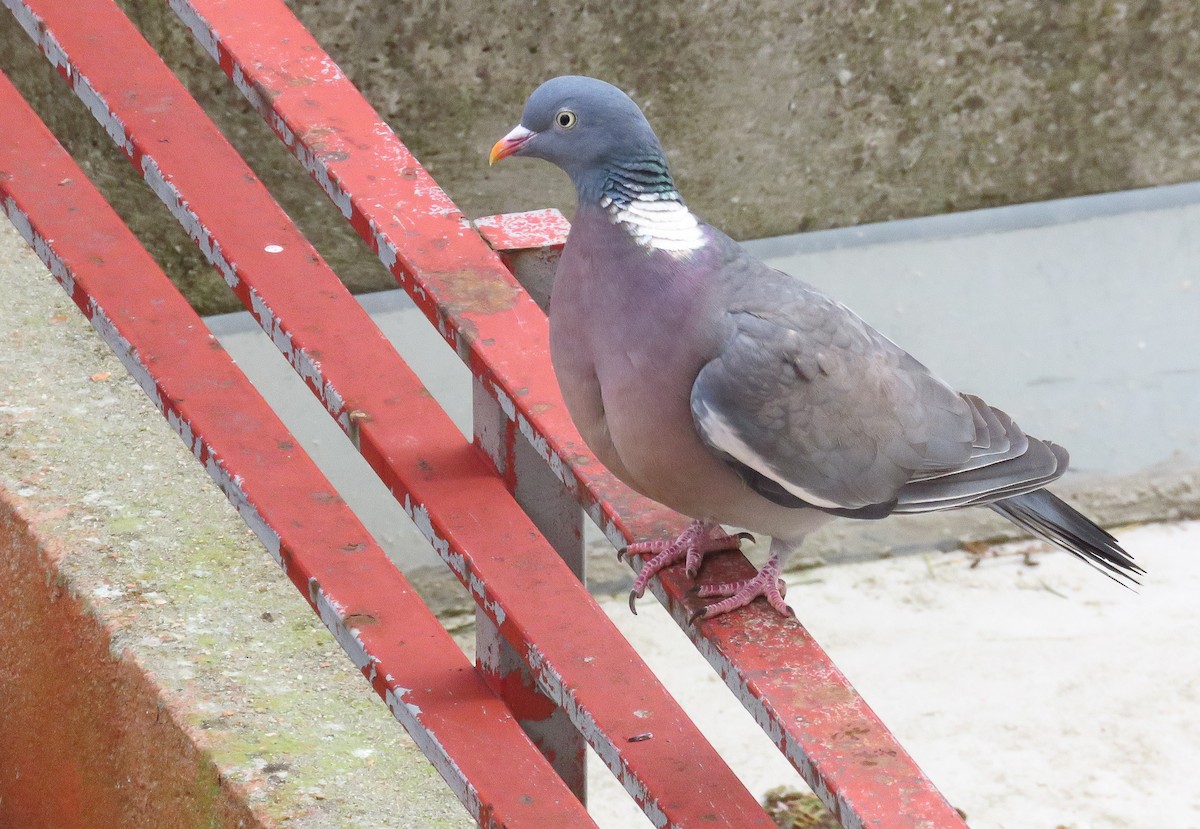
x=736 y=394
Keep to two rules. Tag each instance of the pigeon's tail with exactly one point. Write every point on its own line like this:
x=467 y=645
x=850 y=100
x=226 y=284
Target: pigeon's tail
x=1049 y=517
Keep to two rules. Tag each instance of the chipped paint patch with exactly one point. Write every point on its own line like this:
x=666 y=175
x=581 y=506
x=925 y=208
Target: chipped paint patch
x=255 y=97
x=387 y=253
x=312 y=162
x=300 y=359
x=552 y=684
x=40 y=34
x=40 y=246
x=541 y=445
x=432 y=199
x=333 y=615
x=208 y=39
x=736 y=683
x=603 y=520
x=490 y=650
x=409 y=716
x=329 y=71
x=248 y=92
x=283 y=131
x=531 y=230
x=126 y=354
x=280 y=337
x=308 y=158
x=169 y=194
x=457 y=562
x=234 y=491
x=420 y=517
x=537 y=441
x=506 y=403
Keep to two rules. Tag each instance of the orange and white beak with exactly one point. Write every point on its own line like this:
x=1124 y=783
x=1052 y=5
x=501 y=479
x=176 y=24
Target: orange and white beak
x=510 y=143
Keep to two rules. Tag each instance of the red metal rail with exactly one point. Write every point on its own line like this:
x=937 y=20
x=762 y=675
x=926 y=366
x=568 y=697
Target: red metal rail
x=411 y=662
x=774 y=666
x=578 y=657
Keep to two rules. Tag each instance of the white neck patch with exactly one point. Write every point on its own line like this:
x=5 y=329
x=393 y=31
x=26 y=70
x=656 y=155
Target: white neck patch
x=658 y=221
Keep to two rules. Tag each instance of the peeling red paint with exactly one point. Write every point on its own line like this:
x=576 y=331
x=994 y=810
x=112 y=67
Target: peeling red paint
x=480 y=296
x=444 y=483
x=524 y=231
x=524 y=700
x=405 y=652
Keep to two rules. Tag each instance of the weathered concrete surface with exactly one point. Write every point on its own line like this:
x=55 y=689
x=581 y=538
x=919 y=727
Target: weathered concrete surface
x=169 y=590
x=88 y=742
x=778 y=116
x=1032 y=696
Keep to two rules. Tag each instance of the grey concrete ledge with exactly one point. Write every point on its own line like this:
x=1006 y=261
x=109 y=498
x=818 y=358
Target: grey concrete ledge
x=986 y=220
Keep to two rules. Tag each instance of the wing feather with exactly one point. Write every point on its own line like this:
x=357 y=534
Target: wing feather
x=814 y=408
x=823 y=409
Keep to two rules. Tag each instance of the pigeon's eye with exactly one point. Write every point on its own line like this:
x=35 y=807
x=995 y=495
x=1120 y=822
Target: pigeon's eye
x=565 y=119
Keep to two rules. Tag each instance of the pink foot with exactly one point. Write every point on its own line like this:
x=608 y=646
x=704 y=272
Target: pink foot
x=766 y=583
x=692 y=545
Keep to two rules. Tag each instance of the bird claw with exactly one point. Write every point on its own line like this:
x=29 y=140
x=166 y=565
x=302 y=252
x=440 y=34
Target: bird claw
x=700 y=538
x=766 y=583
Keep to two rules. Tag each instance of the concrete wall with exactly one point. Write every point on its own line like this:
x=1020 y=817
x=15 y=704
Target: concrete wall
x=778 y=116
x=88 y=742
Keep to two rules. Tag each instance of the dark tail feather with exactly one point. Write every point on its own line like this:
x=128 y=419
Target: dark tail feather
x=1049 y=517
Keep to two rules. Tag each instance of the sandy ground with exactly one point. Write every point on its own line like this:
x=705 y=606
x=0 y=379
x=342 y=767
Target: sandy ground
x=1035 y=697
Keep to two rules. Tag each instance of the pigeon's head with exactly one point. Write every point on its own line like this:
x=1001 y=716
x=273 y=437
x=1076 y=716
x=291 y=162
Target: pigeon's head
x=582 y=125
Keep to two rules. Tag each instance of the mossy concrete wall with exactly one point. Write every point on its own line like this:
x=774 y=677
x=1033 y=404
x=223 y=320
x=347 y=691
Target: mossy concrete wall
x=778 y=116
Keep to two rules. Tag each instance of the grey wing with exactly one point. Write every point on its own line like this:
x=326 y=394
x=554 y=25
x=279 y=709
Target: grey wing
x=814 y=407
x=1004 y=462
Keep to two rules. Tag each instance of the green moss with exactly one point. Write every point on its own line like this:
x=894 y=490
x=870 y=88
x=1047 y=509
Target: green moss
x=124 y=524
x=791 y=809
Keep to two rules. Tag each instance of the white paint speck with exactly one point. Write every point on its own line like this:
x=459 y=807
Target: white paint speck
x=274 y=248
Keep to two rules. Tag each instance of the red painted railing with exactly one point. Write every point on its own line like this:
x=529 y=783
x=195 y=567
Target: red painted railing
x=546 y=649
x=372 y=611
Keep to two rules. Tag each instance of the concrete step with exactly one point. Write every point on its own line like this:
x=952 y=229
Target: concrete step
x=156 y=669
